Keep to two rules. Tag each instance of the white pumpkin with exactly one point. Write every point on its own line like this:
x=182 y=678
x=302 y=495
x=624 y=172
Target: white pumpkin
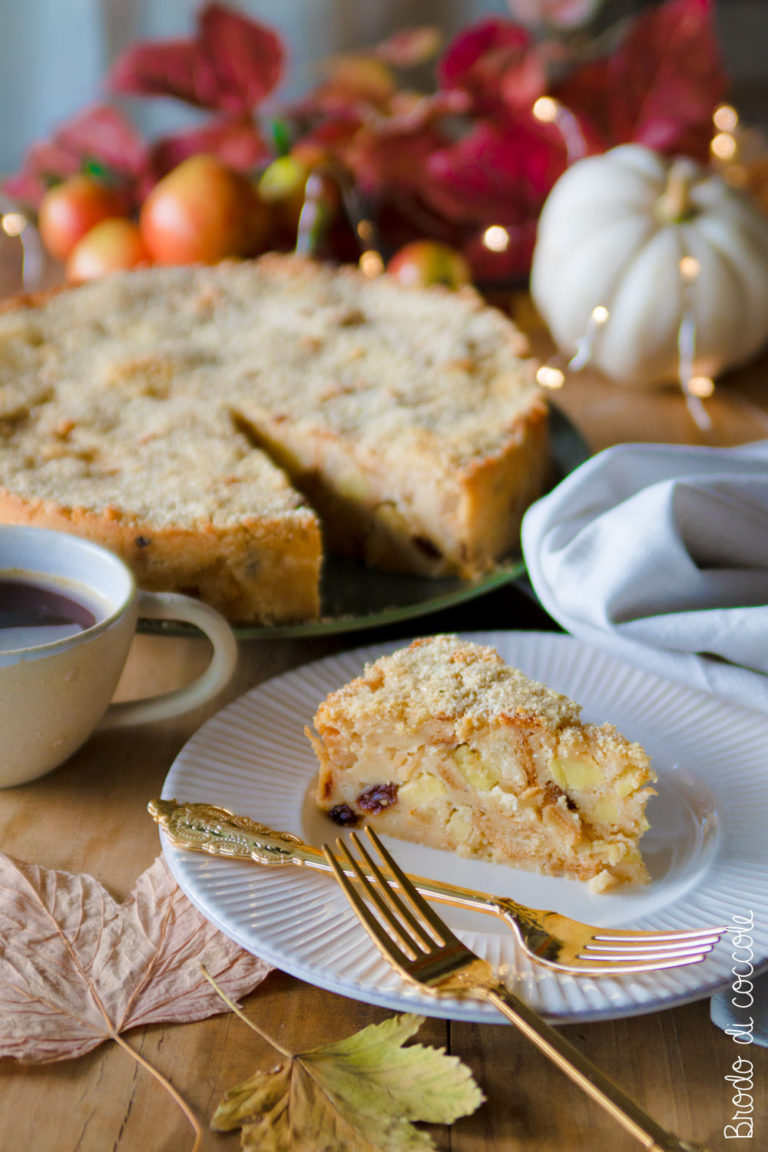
x=613 y=232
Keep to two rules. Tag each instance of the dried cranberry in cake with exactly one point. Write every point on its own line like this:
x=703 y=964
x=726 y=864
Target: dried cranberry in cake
x=343 y=815
x=377 y=798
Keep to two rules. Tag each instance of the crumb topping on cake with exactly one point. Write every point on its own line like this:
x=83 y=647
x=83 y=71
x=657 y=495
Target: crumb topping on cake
x=457 y=372
x=443 y=677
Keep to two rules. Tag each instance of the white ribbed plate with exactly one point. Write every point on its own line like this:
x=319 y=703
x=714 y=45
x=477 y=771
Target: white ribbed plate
x=706 y=850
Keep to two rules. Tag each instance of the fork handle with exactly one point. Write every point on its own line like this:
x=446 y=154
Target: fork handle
x=219 y=832
x=587 y=1075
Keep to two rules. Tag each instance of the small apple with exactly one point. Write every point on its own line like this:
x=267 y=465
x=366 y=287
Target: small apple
x=70 y=209
x=425 y=262
x=283 y=179
x=202 y=212
x=110 y=246
x=282 y=186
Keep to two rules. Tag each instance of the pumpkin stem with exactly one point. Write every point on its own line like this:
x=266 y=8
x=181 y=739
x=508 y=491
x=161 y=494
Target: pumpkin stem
x=675 y=205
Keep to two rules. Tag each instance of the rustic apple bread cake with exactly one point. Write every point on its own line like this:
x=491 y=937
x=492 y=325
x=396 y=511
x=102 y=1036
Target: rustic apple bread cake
x=445 y=744
x=206 y=421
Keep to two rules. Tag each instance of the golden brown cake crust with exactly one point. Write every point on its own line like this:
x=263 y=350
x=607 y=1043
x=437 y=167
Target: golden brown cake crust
x=217 y=410
x=444 y=743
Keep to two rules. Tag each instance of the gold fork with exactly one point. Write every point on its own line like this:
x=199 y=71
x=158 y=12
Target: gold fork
x=547 y=937
x=424 y=950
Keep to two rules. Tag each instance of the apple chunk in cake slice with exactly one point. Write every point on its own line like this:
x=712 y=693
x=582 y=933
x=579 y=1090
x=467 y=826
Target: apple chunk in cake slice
x=445 y=744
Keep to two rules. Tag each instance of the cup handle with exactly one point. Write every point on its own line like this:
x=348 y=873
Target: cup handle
x=174 y=606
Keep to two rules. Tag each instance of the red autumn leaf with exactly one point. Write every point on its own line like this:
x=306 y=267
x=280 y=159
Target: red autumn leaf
x=77 y=968
x=247 y=56
x=100 y=137
x=46 y=162
x=231 y=65
x=496 y=174
x=387 y=153
x=330 y=137
x=235 y=140
x=391 y=160
x=668 y=79
x=335 y=120
x=660 y=86
x=172 y=68
x=102 y=131
x=586 y=94
x=498 y=64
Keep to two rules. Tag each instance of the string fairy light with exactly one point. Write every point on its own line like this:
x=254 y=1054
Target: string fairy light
x=548 y=376
x=547 y=110
x=702 y=386
x=17 y=226
x=13 y=223
x=315 y=216
x=695 y=387
x=725 y=118
x=496 y=238
x=371 y=263
x=726 y=146
x=598 y=317
x=552 y=375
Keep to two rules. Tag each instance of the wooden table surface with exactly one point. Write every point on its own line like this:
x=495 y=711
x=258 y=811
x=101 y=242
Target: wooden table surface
x=90 y=816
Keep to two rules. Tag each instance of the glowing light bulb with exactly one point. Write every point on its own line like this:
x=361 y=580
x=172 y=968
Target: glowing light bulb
x=725 y=118
x=365 y=230
x=496 y=238
x=13 y=223
x=723 y=146
x=600 y=314
x=689 y=268
x=701 y=386
x=550 y=377
x=549 y=111
x=371 y=263
x=545 y=109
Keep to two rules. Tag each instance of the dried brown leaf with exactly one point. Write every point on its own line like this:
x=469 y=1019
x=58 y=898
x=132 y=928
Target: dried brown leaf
x=77 y=968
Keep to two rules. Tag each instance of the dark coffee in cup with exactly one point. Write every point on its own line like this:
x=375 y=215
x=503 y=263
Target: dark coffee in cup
x=34 y=613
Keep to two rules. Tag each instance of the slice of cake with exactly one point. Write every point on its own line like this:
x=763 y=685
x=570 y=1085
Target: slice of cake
x=445 y=744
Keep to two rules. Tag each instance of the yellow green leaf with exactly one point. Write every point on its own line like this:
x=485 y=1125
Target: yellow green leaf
x=361 y=1093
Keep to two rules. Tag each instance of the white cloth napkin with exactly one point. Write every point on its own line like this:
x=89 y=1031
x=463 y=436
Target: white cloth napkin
x=659 y=554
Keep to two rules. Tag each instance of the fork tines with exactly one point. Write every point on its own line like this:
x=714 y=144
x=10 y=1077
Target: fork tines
x=434 y=931
x=679 y=949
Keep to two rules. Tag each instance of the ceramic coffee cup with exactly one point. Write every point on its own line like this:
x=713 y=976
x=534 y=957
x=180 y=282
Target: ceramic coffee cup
x=58 y=674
